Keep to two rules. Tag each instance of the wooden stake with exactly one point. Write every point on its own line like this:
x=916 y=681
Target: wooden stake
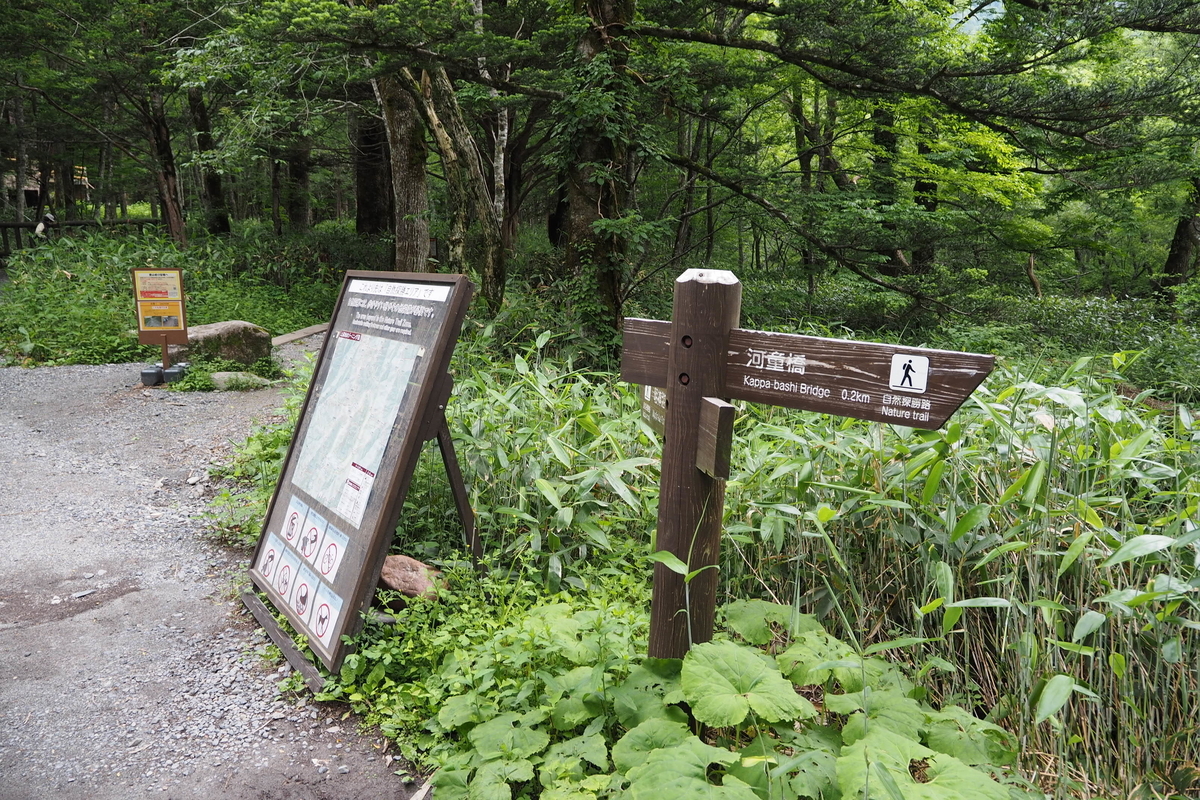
x=707 y=307
x=166 y=359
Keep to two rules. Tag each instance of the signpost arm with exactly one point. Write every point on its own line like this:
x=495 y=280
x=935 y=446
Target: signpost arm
x=690 y=507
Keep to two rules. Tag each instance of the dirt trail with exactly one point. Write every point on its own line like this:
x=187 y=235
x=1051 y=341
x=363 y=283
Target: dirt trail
x=127 y=667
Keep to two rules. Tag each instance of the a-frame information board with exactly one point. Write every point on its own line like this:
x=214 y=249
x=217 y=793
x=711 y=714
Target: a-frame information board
x=378 y=392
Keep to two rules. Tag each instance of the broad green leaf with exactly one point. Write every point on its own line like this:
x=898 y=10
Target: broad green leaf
x=1033 y=484
x=973 y=741
x=944 y=777
x=981 y=602
x=815 y=775
x=646 y=693
x=755 y=768
x=460 y=710
x=1133 y=449
x=800 y=661
x=907 y=641
x=1116 y=662
x=1139 y=546
x=932 y=481
x=503 y=737
x=725 y=682
x=1054 y=696
x=943 y=576
x=1071 y=647
x=751 y=619
x=634 y=747
x=680 y=772
x=1007 y=547
x=564 y=757
x=1074 y=551
x=670 y=561
x=891 y=709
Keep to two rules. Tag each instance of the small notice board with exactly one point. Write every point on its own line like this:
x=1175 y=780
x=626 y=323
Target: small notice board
x=378 y=393
x=158 y=296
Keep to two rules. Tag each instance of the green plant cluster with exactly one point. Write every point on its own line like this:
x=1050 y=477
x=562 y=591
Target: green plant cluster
x=554 y=701
x=198 y=377
x=1047 y=537
x=248 y=480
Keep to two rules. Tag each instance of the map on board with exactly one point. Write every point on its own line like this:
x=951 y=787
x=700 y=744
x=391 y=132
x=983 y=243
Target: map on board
x=352 y=422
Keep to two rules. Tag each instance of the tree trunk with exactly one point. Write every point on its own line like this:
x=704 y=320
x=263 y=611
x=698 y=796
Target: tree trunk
x=372 y=178
x=276 y=192
x=165 y=174
x=212 y=195
x=883 y=183
x=925 y=193
x=406 y=154
x=596 y=186
x=22 y=166
x=467 y=183
x=298 y=197
x=1182 y=251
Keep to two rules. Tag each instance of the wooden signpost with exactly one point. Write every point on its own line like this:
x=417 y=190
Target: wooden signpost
x=378 y=393
x=701 y=359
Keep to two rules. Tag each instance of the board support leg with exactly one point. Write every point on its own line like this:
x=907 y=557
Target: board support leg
x=459 y=489
x=308 y=671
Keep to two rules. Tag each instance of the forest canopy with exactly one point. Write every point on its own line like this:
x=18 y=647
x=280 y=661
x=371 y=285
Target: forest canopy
x=925 y=148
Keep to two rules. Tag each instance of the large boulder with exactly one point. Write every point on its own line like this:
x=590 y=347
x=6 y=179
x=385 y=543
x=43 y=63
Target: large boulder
x=243 y=342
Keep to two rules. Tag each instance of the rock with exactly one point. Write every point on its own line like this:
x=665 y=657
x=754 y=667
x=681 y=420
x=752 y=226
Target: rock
x=237 y=381
x=243 y=342
x=410 y=577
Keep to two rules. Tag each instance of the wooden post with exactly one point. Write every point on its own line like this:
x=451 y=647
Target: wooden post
x=707 y=307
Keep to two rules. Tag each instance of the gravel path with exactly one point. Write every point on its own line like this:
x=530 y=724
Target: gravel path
x=127 y=667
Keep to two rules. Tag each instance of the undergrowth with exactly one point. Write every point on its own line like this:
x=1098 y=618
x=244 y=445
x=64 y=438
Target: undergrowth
x=1034 y=563
x=70 y=301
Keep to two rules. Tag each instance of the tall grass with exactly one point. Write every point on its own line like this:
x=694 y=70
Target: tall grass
x=1047 y=530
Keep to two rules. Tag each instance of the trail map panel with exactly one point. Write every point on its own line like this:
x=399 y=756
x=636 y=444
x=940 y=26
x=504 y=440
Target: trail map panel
x=351 y=460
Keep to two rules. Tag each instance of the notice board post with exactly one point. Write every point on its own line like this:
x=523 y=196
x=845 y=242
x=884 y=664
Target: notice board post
x=378 y=393
x=701 y=358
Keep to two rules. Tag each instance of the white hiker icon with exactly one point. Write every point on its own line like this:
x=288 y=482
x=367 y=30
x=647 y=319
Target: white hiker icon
x=910 y=373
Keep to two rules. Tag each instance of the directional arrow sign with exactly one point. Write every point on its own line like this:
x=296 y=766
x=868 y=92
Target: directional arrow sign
x=917 y=387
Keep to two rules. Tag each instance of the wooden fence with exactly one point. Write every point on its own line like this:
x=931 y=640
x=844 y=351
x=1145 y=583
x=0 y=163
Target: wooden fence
x=18 y=235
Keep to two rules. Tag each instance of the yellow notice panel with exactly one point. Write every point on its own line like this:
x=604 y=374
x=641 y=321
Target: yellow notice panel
x=160 y=316
x=158 y=297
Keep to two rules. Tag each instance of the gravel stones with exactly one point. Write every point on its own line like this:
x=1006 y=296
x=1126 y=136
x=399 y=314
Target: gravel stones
x=127 y=667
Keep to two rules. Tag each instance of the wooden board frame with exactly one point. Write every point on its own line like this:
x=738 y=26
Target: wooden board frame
x=407 y=324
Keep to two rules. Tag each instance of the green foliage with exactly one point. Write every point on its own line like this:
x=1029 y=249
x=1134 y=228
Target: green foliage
x=1033 y=562
x=70 y=301
x=1043 y=542
x=551 y=700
